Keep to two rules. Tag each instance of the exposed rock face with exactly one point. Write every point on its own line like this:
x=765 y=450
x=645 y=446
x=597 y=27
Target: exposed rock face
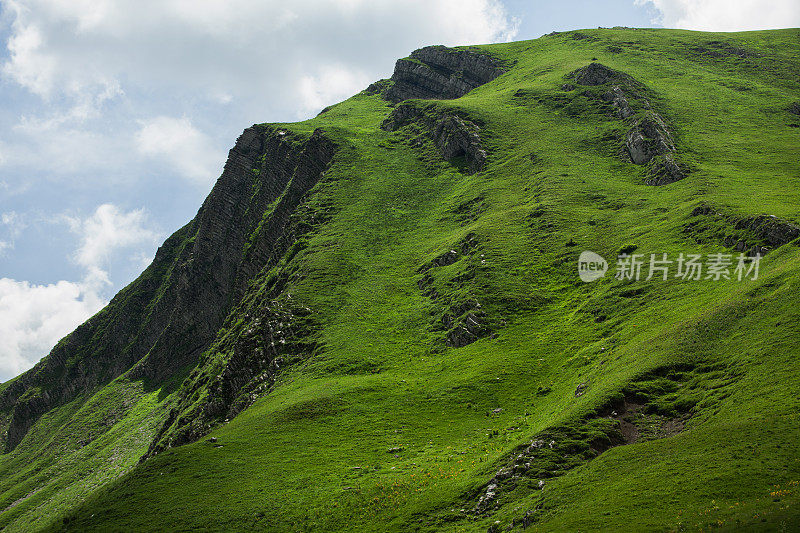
x=648 y=138
x=616 y=96
x=161 y=323
x=622 y=88
x=238 y=371
x=753 y=235
x=468 y=323
x=438 y=72
x=456 y=137
x=774 y=231
x=300 y=170
x=648 y=141
x=633 y=417
x=597 y=74
x=274 y=334
x=664 y=170
x=464 y=321
x=452 y=135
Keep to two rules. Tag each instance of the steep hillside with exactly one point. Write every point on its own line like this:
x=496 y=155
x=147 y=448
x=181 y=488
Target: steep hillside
x=376 y=320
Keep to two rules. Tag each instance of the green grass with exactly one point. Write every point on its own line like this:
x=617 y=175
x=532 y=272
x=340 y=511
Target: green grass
x=74 y=450
x=313 y=454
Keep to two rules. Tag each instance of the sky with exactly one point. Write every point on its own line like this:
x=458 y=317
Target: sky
x=116 y=115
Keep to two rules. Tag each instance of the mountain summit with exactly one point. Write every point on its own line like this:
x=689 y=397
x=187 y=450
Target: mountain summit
x=383 y=318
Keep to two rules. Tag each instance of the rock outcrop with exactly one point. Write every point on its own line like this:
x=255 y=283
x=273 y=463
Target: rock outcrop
x=238 y=370
x=648 y=141
x=438 y=72
x=300 y=170
x=452 y=135
x=467 y=323
x=616 y=97
x=595 y=74
x=640 y=412
x=648 y=138
x=463 y=320
x=719 y=50
x=752 y=235
x=164 y=320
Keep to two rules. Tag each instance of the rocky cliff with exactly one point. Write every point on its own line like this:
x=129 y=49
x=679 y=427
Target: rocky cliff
x=158 y=326
x=377 y=318
x=438 y=72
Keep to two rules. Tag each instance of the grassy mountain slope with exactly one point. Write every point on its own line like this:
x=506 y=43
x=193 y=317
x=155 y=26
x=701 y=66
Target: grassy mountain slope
x=634 y=405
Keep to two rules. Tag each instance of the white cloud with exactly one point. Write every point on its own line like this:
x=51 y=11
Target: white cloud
x=29 y=68
x=179 y=143
x=258 y=52
x=34 y=317
x=59 y=143
x=41 y=24
x=101 y=68
x=332 y=83
x=104 y=233
x=12 y=225
x=14 y=222
x=94 y=88
x=726 y=15
x=141 y=259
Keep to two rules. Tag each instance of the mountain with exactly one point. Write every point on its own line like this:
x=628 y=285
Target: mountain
x=465 y=299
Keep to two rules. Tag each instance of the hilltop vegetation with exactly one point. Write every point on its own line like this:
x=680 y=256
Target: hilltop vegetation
x=375 y=322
